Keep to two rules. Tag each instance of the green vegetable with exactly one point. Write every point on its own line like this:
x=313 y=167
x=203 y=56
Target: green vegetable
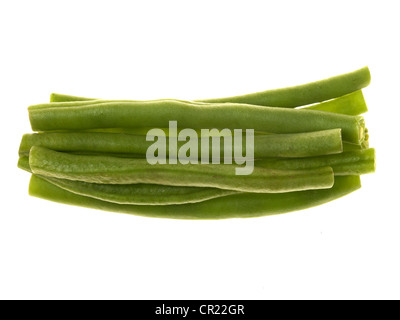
x=112 y=170
x=310 y=147
x=279 y=145
x=138 y=194
x=90 y=102
x=157 y=114
x=245 y=205
x=350 y=104
x=289 y=97
x=356 y=162
x=309 y=93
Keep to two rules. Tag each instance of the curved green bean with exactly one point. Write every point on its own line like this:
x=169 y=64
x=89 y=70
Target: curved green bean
x=309 y=93
x=289 y=97
x=157 y=114
x=356 y=162
x=244 y=205
x=280 y=145
x=83 y=103
x=112 y=170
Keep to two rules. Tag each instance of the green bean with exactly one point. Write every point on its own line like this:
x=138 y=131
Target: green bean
x=138 y=194
x=309 y=93
x=289 y=97
x=157 y=114
x=244 y=205
x=112 y=170
x=68 y=104
x=85 y=142
x=350 y=104
x=280 y=145
x=347 y=163
x=354 y=162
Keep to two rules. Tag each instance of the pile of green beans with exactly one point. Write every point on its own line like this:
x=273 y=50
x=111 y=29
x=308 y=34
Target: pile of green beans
x=310 y=147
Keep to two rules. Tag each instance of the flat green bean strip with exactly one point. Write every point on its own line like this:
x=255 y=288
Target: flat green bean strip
x=347 y=163
x=112 y=170
x=289 y=97
x=157 y=114
x=138 y=194
x=246 y=205
x=278 y=145
x=351 y=104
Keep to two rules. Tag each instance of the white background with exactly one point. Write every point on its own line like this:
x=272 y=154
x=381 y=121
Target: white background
x=347 y=249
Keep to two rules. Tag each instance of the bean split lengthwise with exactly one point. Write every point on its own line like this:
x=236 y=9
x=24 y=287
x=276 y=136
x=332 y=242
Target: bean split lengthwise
x=251 y=155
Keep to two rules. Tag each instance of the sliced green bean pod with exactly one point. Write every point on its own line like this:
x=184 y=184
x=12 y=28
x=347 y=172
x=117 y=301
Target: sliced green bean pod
x=112 y=170
x=245 y=205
